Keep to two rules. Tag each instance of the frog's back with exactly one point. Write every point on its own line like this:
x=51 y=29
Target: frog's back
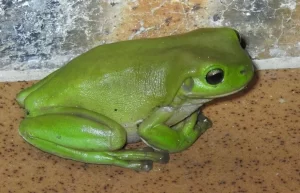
x=119 y=81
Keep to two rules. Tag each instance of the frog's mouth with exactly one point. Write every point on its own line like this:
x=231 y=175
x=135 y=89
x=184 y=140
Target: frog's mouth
x=226 y=94
x=211 y=97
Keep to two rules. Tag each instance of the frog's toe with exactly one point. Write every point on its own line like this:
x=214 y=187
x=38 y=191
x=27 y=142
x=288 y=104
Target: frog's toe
x=146 y=165
x=203 y=123
x=164 y=158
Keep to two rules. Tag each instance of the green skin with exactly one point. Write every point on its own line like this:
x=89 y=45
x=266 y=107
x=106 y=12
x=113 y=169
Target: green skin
x=149 y=90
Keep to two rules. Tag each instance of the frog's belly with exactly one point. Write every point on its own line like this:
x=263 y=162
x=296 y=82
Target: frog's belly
x=132 y=135
x=185 y=110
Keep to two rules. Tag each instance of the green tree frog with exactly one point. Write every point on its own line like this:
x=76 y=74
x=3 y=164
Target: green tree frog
x=120 y=93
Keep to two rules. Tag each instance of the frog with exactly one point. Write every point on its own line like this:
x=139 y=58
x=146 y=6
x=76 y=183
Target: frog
x=144 y=90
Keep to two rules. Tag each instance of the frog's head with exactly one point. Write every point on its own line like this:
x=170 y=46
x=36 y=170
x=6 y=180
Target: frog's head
x=225 y=68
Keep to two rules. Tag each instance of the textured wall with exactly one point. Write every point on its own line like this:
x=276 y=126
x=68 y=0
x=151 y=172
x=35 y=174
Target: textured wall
x=44 y=34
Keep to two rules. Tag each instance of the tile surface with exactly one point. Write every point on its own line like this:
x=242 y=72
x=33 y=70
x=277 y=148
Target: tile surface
x=253 y=146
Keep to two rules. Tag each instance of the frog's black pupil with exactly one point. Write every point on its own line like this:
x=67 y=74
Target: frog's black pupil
x=215 y=76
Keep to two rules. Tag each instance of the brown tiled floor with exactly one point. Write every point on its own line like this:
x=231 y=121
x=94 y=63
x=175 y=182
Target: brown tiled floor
x=254 y=146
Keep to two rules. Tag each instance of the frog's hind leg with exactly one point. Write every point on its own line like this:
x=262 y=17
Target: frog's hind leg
x=137 y=160
x=85 y=136
x=21 y=96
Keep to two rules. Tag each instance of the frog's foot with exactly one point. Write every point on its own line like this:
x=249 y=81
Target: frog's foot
x=138 y=160
x=146 y=153
x=203 y=123
x=141 y=159
x=194 y=126
x=86 y=137
x=177 y=137
x=165 y=155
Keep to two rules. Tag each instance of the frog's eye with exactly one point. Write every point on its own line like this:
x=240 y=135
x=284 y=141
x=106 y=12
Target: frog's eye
x=241 y=39
x=215 y=76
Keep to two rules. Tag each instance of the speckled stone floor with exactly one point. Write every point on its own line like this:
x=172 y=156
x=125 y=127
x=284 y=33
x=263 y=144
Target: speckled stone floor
x=253 y=147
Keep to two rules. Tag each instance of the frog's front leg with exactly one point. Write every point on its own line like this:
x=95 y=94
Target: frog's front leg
x=176 y=138
x=85 y=136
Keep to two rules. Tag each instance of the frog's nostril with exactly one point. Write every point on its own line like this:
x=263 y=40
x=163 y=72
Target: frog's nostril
x=243 y=71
